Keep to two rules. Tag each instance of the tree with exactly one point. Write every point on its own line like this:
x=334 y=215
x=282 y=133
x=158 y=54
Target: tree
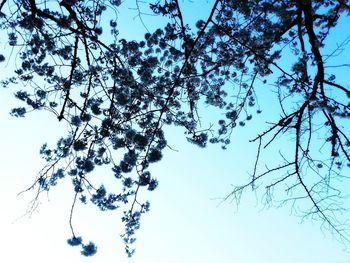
x=117 y=95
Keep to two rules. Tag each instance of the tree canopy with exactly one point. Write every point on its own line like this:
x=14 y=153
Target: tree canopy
x=118 y=95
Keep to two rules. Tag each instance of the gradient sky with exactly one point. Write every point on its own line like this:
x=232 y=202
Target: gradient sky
x=187 y=222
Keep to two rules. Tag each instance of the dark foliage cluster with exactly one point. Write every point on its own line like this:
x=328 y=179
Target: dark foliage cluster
x=117 y=95
x=89 y=249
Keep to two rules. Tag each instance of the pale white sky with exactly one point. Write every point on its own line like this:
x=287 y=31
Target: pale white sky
x=186 y=223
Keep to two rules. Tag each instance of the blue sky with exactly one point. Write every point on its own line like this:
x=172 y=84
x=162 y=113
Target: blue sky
x=187 y=223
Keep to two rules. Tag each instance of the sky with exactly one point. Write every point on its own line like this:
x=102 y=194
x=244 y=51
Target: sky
x=188 y=221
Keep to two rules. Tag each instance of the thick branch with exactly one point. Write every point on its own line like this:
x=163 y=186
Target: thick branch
x=2 y=5
x=69 y=84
